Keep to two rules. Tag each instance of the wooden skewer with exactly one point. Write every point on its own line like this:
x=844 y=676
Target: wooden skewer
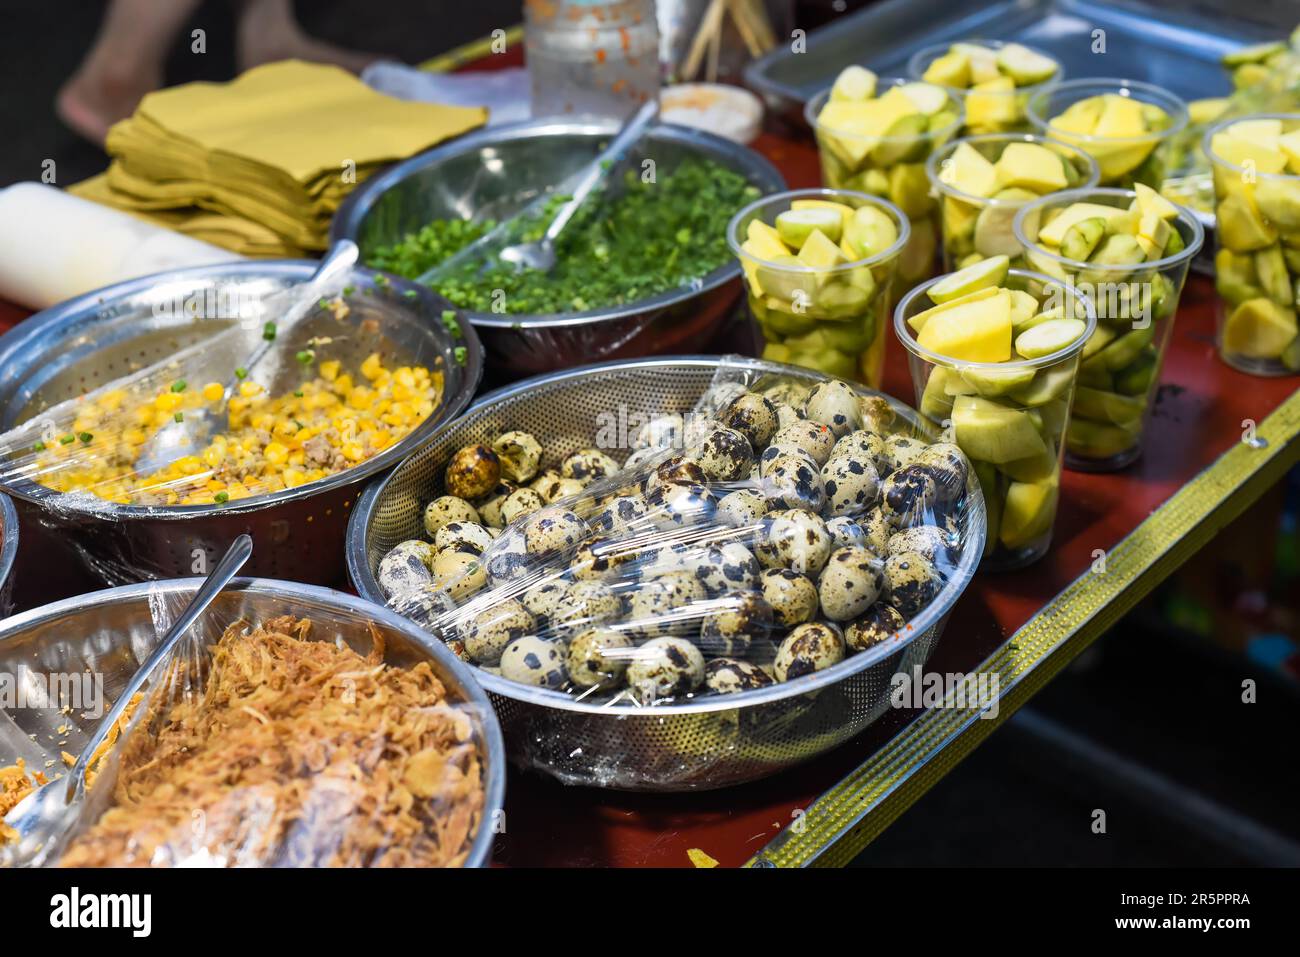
x=710 y=24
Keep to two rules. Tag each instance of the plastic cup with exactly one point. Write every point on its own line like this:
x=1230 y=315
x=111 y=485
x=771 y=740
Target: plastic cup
x=1122 y=160
x=829 y=319
x=1119 y=372
x=976 y=227
x=1257 y=265
x=988 y=111
x=892 y=167
x=1010 y=418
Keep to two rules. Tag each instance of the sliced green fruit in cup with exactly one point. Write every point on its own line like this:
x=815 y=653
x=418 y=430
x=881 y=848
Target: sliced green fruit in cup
x=1049 y=337
x=976 y=331
x=1097 y=440
x=1259 y=329
x=1121 y=410
x=1047 y=385
x=992 y=432
x=1082 y=238
x=982 y=275
x=1025 y=66
x=1027 y=512
x=870 y=231
x=795 y=226
x=993 y=381
x=918 y=321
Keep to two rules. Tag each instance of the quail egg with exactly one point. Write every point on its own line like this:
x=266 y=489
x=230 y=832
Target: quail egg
x=732 y=675
x=545 y=599
x=520 y=502
x=809 y=648
x=791 y=596
x=680 y=470
x=793 y=539
x=639 y=458
x=777 y=451
x=473 y=472
x=406 y=567
x=737 y=621
x=721 y=395
x=660 y=606
x=461 y=573
x=664 y=668
x=835 y=405
x=742 y=508
x=588 y=465
x=813 y=437
x=927 y=540
x=447 y=509
x=727 y=567
x=598 y=657
x=786 y=414
x=907 y=494
x=865 y=446
x=554 y=489
x=508 y=558
x=489 y=509
x=680 y=506
x=698 y=428
x=911 y=583
x=793 y=482
x=661 y=432
x=520 y=455
x=601 y=559
x=424 y=604
x=852 y=485
x=753 y=416
x=543 y=479
x=619 y=514
x=876 y=525
x=488 y=633
x=948 y=467
x=552 y=532
x=878 y=623
x=530 y=660
x=468 y=537
x=725 y=455
x=900 y=451
x=850 y=583
x=586 y=605
x=846 y=532
x=877 y=414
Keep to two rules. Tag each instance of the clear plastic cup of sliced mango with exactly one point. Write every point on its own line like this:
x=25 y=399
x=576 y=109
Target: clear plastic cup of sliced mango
x=1128 y=127
x=983 y=181
x=818 y=265
x=994 y=79
x=1256 y=166
x=994 y=356
x=874 y=135
x=1128 y=252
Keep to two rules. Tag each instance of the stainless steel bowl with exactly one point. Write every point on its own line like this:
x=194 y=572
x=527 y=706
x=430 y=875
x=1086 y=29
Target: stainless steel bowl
x=88 y=341
x=8 y=551
x=496 y=172
x=708 y=743
x=108 y=634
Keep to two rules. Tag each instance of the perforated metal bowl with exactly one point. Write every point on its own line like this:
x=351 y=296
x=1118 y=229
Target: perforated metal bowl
x=713 y=741
x=109 y=634
x=298 y=533
x=8 y=551
x=499 y=170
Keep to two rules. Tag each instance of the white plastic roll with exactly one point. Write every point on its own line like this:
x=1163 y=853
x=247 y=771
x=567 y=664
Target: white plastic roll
x=54 y=246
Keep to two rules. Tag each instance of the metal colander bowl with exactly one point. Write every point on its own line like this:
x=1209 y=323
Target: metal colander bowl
x=8 y=552
x=80 y=345
x=710 y=742
x=495 y=173
x=108 y=635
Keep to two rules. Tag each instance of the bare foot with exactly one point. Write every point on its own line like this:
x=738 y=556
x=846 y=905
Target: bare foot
x=96 y=98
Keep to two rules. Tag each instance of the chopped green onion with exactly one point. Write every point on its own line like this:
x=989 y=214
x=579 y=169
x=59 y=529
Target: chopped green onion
x=38 y=447
x=297 y=393
x=221 y=498
x=349 y=290
x=306 y=357
x=85 y=437
x=268 y=332
x=179 y=417
x=241 y=373
x=410 y=293
x=178 y=385
x=68 y=439
x=460 y=354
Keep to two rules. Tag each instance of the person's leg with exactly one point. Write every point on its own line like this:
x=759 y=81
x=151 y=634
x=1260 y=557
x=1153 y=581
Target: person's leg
x=125 y=63
x=268 y=31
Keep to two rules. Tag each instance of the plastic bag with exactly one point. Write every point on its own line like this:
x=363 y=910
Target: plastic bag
x=738 y=546
x=283 y=733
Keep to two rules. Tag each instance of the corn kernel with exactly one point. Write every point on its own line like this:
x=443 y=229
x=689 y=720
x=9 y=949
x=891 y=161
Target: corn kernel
x=276 y=453
x=329 y=370
x=371 y=368
x=213 y=391
x=249 y=389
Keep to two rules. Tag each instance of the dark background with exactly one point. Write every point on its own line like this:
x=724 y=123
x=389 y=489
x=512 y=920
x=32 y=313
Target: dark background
x=1147 y=725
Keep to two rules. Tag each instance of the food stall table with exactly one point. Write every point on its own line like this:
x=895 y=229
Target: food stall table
x=1218 y=440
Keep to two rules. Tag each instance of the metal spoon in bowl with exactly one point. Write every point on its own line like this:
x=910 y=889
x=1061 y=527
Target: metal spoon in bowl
x=195 y=429
x=540 y=255
x=43 y=816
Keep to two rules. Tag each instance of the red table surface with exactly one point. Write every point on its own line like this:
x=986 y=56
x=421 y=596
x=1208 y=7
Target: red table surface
x=1199 y=415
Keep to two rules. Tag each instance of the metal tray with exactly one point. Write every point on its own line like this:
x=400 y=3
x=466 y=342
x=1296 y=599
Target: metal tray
x=1176 y=46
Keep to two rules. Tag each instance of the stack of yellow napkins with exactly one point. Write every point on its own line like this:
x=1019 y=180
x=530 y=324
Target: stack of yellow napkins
x=259 y=165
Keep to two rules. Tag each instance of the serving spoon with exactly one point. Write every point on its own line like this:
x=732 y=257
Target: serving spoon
x=540 y=254
x=196 y=428
x=43 y=816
